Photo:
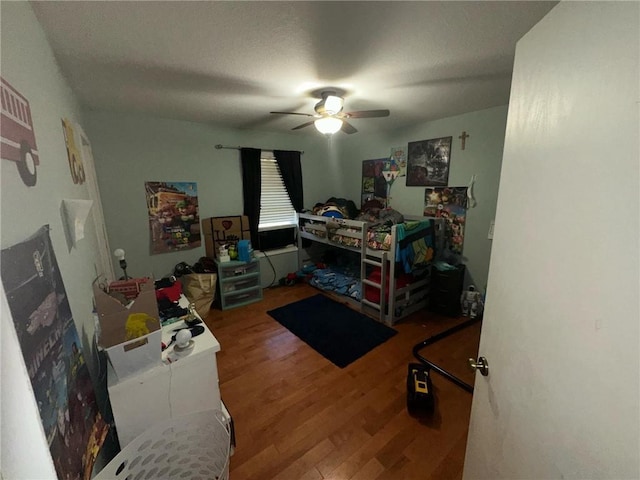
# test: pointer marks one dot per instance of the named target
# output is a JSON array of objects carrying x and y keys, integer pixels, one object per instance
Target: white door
[{"x": 561, "y": 328}]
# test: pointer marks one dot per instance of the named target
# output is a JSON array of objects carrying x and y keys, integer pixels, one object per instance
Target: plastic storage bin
[{"x": 239, "y": 283}]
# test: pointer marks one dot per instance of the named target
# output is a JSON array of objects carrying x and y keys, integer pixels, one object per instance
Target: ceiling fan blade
[
  {"x": 294, "y": 113},
  {"x": 348, "y": 128},
  {"x": 303, "y": 125},
  {"x": 368, "y": 114}
]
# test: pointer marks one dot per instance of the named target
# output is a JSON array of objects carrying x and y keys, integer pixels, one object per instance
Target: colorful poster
[
  {"x": 174, "y": 222},
  {"x": 374, "y": 183},
  {"x": 399, "y": 157},
  {"x": 449, "y": 203},
  {"x": 52, "y": 353}
]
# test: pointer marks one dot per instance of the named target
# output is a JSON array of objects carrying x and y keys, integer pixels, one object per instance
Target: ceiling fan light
[
  {"x": 328, "y": 125},
  {"x": 332, "y": 104}
]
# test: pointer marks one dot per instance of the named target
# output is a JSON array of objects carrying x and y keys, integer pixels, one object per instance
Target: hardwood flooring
[{"x": 299, "y": 417}]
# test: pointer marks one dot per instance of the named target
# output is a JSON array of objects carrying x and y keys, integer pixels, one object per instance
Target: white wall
[
  {"x": 482, "y": 157},
  {"x": 28, "y": 64},
  {"x": 561, "y": 330}
]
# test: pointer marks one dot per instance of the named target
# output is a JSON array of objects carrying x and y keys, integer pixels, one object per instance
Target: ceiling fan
[{"x": 330, "y": 117}]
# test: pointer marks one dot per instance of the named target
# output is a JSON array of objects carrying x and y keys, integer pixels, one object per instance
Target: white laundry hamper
[{"x": 187, "y": 447}]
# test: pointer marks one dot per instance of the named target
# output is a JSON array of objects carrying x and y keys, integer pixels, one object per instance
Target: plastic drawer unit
[
  {"x": 238, "y": 283},
  {"x": 446, "y": 289}
]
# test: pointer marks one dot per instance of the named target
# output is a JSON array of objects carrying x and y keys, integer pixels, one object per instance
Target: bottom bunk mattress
[{"x": 343, "y": 281}]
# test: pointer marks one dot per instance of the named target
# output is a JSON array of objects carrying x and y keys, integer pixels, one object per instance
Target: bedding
[
  {"x": 415, "y": 244},
  {"x": 379, "y": 239},
  {"x": 335, "y": 279},
  {"x": 404, "y": 255},
  {"x": 337, "y": 208}
]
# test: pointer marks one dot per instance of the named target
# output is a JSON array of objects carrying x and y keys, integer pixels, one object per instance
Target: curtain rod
[{"x": 218, "y": 147}]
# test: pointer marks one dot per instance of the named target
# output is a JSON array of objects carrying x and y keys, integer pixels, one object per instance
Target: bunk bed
[{"x": 394, "y": 260}]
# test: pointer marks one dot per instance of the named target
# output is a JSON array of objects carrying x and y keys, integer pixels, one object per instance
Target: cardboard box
[
  {"x": 129, "y": 288},
  {"x": 133, "y": 355},
  {"x": 220, "y": 231}
]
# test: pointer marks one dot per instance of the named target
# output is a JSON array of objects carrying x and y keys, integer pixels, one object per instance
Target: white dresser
[{"x": 181, "y": 385}]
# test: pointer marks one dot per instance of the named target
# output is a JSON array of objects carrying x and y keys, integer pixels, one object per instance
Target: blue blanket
[{"x": 415, "y": 243}]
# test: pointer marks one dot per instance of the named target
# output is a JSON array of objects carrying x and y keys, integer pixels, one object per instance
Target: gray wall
[
  {"x": 482, "y": 157},
  {"x": 132, "y": 149},
  {"x": 29, "y": 66}
]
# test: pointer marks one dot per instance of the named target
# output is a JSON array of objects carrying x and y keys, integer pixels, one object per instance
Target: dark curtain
[
  {"x": 251, "y": 186},
  {"x": 291, "y": 170}
]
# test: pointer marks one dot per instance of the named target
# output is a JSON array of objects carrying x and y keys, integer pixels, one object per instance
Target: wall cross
[{"x": 464, "y": 137}]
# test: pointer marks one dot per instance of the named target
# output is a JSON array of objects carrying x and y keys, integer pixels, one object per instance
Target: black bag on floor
[{"x": 420, "y": 399}]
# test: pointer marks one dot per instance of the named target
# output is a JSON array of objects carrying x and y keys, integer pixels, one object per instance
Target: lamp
[
  {"x": 328, "y": 125},
  {"x": 119, "y": 254}
]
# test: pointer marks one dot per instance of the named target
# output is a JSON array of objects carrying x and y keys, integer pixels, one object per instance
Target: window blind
[{"x": 276, "y": 210}]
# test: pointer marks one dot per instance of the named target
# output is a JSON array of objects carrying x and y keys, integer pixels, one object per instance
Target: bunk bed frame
[{"x": 400, "y": 301}]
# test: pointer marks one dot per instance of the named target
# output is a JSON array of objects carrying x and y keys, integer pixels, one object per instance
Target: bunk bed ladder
[{"x": 381, "y": 286}]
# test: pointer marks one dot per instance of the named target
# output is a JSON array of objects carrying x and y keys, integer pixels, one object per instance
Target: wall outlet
[{"x": 491, "y": 227}]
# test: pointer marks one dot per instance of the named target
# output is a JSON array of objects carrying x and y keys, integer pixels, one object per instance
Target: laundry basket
[{"x": 188, "y": 447}]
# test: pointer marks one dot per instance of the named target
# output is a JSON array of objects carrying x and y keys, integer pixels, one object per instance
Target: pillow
[{"x": 330, "y": 211}]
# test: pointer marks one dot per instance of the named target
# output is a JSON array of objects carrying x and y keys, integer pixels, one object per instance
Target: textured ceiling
[{"x": 231, "y": 63}]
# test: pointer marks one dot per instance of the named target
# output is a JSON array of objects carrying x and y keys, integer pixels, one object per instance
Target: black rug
[{"x": 334, "y": 330}]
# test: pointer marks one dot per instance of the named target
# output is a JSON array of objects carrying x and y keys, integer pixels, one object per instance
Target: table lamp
[{"x": 119, "y": 254}]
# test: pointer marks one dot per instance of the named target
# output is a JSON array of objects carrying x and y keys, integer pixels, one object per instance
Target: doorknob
[{"x": 482, "y": 365}]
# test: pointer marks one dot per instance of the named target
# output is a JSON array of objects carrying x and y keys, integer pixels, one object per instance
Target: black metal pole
[{"x": 440, "y": 336}]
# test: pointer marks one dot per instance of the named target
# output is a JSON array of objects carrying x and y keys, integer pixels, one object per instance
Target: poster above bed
[
  {"x": 374, "y": 186},
  {"x": 428, "y": 162},
  {"x": 379, "y": 175},
  {"x": 449, "y": 203}
]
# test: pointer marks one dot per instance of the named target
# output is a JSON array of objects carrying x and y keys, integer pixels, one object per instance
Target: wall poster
[
  {"x": 377, "y": 178},
  {"x": 428, "y": 163},
  {"x": 52, "y": 353},
  {"x": 174, "y": 222},
  {"x": 399, "y": 157},
  {"x": 449, "y": 203}
]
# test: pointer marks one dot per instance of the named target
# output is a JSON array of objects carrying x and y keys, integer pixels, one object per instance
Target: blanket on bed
[
  {"x": 333, "y": 280},
  {"x": 415, "y": 243}
]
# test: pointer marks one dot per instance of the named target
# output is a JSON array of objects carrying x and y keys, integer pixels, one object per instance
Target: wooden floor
[{"x": 297, "y": 416}]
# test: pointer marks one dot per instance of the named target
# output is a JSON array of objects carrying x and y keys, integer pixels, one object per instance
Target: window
[{"x": 276, "y": 210}]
